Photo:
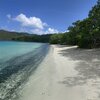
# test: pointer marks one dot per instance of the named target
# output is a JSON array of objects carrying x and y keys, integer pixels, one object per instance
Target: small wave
[{"x": 15, "y": 72}]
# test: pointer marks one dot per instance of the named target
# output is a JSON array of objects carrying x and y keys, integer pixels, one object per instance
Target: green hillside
[
  {"x": 6, "y": 35},
  {"x": 16, "y": 36}
]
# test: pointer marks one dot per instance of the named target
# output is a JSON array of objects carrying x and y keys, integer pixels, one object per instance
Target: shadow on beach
[
  {"x": 88, "y": 67},
  {"x": 60, "y": 46}
]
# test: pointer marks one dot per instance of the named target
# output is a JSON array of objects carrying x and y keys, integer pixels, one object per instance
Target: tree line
[
  {"x": 84, "y": 33},
  {"x": 22, "y": 36},
  {"x": 34, "y": 38}
]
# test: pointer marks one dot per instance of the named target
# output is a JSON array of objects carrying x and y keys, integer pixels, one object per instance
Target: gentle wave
[{"x": 16, "y": 71}]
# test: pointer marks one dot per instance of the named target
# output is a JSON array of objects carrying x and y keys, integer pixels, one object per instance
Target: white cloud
[
  {"x": 31, "y": 21},
  {"x": 48, "y": 31},
  {"x": 51, "y": 30},
  {"x": 9, "y": 16},
  {"x": 37, "y": 31},
  {"x": 32, "y": 24}
]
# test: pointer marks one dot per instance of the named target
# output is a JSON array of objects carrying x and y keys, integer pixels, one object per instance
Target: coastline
[
  {"x": 66, "y": 73},
  {"x": 17, "y": 67}
]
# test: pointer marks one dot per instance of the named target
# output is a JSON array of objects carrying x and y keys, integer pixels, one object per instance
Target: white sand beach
[{"x": 67, "y": 73}]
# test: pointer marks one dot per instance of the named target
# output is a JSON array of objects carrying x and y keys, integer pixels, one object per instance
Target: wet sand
[{"x": 66, "y": 73}]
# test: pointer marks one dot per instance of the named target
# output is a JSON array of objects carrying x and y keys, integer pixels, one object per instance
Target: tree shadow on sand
[
  {"x": 87, "y": 68},
  {"x": 60, "y": 46}
]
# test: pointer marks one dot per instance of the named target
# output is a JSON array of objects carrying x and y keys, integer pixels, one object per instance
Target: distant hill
[
  {"x": 21, "y": 36},
  {"x": 6, "y": 35}
]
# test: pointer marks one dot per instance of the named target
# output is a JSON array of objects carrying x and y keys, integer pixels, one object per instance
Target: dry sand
[{"x": 67, "y": 73}]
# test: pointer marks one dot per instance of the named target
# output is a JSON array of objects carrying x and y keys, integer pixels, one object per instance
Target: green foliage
[
  {"x": 85, "y": 33},
  {"x": 34, "y": 38},
  {"x": 56, "y": 39},
  {"x": 15, "y": 36},
  {"x": 6, "y": 35}
]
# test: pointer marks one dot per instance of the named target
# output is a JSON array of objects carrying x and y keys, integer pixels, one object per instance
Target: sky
[{"x": 42, "y": 16}]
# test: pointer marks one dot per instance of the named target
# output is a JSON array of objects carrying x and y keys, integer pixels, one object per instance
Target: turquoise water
[
  {"x": 18, "y": 60},
  {"x": 13, "y": 49}
]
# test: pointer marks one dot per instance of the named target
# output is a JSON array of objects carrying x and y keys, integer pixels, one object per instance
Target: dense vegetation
[
  {"x": 85, "y": 33},
  {"x": 34, "y": 38},
  {"x": 15, "y": 36},
  {"x": 6, "y": 35}
]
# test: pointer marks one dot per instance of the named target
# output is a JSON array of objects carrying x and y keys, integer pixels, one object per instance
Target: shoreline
[{"x": 66, "y": 73}]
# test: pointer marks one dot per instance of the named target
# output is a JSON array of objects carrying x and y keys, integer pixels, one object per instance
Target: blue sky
[{"x": 42, "y": 16}]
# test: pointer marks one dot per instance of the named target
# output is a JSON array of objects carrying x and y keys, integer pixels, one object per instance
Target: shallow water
[{"x": 18, "y": 60}]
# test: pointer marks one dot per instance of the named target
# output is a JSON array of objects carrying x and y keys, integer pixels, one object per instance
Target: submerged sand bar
[{"x": 67, "y": 73}]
